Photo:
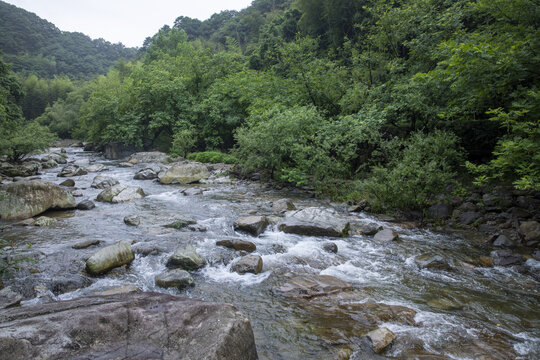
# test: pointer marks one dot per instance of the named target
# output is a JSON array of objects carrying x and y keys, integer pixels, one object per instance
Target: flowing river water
[{"x": 498, "y": 316}]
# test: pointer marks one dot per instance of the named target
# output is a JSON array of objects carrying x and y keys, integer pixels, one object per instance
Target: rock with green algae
[{"x": 109, "y": 258}]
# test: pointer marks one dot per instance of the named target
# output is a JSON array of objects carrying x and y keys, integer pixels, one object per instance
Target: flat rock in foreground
[
  {"x": 25, "y": 199},
  {"x": 127, "y": 326}
]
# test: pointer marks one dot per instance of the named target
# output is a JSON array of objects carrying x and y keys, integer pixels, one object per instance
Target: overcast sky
[{"x": 125, "y": 21}]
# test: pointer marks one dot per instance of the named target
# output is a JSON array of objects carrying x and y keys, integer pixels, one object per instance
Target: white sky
[{"x": 125, "y": 21}]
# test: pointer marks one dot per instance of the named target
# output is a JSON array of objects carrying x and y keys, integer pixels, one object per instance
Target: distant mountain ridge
[{"x": 34, "y": 45}]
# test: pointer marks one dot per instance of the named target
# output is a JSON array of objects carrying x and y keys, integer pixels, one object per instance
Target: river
[{"x": 498, "y": 316}]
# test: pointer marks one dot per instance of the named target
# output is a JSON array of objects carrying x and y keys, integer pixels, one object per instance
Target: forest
[{"x": 396, "y": 102}]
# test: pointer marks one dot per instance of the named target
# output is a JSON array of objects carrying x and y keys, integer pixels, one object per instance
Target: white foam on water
[
  {"x": 354, "y": 274},
  {"x": 173, "y": 196},
  {"x": 529, "y": 346},
  {"x": 223, "y": 273}
]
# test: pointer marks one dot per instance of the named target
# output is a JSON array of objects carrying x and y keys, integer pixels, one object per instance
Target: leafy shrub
[
  {"x": 183, "y": 141},
  {"x": 423, "y": 169},
  {"x": 212, "y": 157}
]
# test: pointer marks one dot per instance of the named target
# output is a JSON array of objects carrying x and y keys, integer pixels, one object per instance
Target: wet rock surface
[
  {"x": 184, "y": 173},
  {"x": 157, "y": 326},
  {"x": 120, "y": 193},
  {"x": 247, "y": 264},
  {"x": 110, "y": 257},
  {"x": 28, "y": 198},
  {"x": 186, "y": 258},
  {"x": 314, "y": 222},
  {"x": 254, "y": 225},
  {"x": 238, "y": 245}
]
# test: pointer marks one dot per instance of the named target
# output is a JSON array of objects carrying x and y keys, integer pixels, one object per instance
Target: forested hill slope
[{"x": 32, "y": 44}]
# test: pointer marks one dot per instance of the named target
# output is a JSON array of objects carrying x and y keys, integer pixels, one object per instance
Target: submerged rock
[
  {"x": 181, "y": 223},
  {"x": 184, "y": 173},
  {"x": 254, "y": 225},
  {"x": 237, "y": 244},
  {"x": 85, "y": 244},
  {"x": 314, "y": 221},
  {"x": 381, "y": 338},
  {"x": 177, "y": 278},
  {"x": 311, "y": 286},
  {"x": 158, "y": 326},
  {"x": 25, "y": 199},
  {"x": 428, "y": 261},
  {"x": 247, "y": 264},
  {"x": 103, "y": 182},
  {"x": 444, "y": 304},
  {"x": 121, "y": 193},
  {"x": 186, "y": 258},
  {"x": 110, "y": 257},
  {"x": 386, "y": 235}
]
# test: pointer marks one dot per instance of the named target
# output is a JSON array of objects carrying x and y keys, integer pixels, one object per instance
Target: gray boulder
[
  {"x": 186, "y": 258},
  {"x": 237, "y": 244},
  {"x": 247, "y": 264},
  {"x": 25, "y": 169},
  {"x": 283, "y": 205},
  {"x": 50, "y": 164},
  {"x": 177, "y": 278},
  {"x": 440, "y": 211},
  {"x": 86, "y": 205},
  {"x": 25, "y": 199},
  {"x": 386, "y": 235},
  {"x": 506, "y": 258},
  {"x": 96, "y": 168},
  {"x": 184, "y": 173},
  {"x": 381, "y": 338},
  {"x": 68, "y": 183},
  {"x": 530, "y": 230},
  {"x": 9, "y": 298},
  {"x": 132, "y": 220},
  {"x": 58, "y": 158},
  {"x": 127, "y": 326},
  {"x": 469, "y": 217},
  {"x": 314, "y": 221},
  {"x": 253, "y": 225},
  {"x": 120, "y": 193},
  {"x": 109, "y": 258},
  {"x": 72, "y": 170},
  {"x": 502, "y": 241},
  {"x": 146, "y": 174},
  {"x": 103, "y": 182}
]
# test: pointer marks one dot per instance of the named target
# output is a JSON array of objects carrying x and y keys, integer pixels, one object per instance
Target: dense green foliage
[
  {"x": 212, "y": 157},
  {"x": 390, "y": 100},
  {"x": 17, "y": 136},
  {"x": 33, "y": 45}
]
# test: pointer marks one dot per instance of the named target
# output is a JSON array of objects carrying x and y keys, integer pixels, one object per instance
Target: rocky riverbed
[{"x": 315, "y": 280}]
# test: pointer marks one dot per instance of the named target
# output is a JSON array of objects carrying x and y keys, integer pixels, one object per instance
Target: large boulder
[
  {"x": 116, "y": 150},
  {"x": 110, "y": 257},
  {"x": 186, "y": 258},
  {"x": 103, "y": 182},
  {"x": 127, "y": 326},
  {"x": 247, "y": 264},
  {"x": 25, "y": 169},
  {"x": 72, "y": 170},
  {"x": 174, "y": 278},
  {"x": 25, "y": 199},
  {"x": 253, "y": 225},
  {"x": 57, "y": 158},
  {"x": 184, "y": 173},
  {"x": 314, "y": 221},
  {"x": 120, "y": 193}
]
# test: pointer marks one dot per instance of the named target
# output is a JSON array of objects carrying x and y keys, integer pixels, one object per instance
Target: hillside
[{"x": 34, "y": 45}]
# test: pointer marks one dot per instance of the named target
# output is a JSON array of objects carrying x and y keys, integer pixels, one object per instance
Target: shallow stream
[{"x": 498, "y": 318}]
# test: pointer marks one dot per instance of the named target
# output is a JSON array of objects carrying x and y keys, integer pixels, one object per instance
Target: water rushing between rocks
[{"x": 459, "y": 310}]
